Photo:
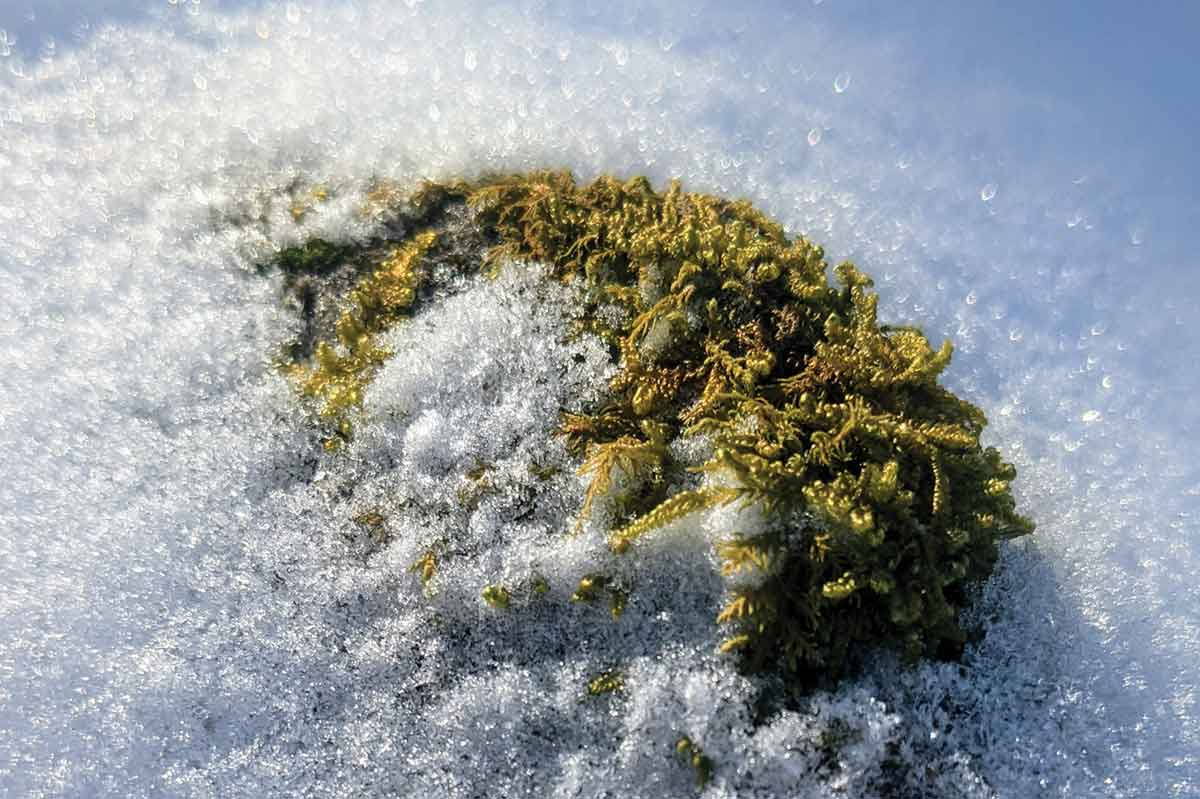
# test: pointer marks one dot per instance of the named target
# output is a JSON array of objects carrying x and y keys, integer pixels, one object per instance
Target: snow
[{"x": 188, "y": 607}]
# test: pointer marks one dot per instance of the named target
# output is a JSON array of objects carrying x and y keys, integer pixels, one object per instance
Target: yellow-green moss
[
  {"x": 375, "y": 524},
  {"x": 883, "y": 505},
  {"x": 343, "y": 368},
  {"x": 426, "y": 566},
  {"x": 691, "y": 753},
  {"x": 497, "y": 596},
  {"x": 606, "y": 683},
  {"x": 593, "y": 587}
]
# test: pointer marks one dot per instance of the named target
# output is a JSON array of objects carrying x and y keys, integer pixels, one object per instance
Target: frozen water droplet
[
  {"x": 470, "y": 61},
  {"x": 1099, "y": 328},
  {"x": 987, "y": 192},
  {"x": 972, "y": 298},
  {"x": 621, "y": 55},
  {"x": 1091, "y": 417},
  {"x": 1015, "y": 335},
  {"x": 1075, "y": 219},
  {"x": 564, "y": 51},
  {"x": 814, "y": 137},
  {"x": 666, "y": 42},
  {"x": 1107, "y": 382},
  {"x": 200, "y": 81},
  {"x": 435, "y": 113},
  {"x": 1136, "y": 236},
  {"x": 904, "y": 162},
  {"x": 263, "y": 29},
  {"x": 293, "y": 13},
  {"x": 47, "y": 180},
  {"x": 841, "y": 82}
]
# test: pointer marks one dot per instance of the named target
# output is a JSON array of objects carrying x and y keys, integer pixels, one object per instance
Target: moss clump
[{"x": 883, "y": 507}]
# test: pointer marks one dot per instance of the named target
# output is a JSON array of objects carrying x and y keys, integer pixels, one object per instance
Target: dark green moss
[{"x": 314, "y": 257}]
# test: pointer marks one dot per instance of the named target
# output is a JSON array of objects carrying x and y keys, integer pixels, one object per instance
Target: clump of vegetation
[{"x": 883, "y": 507}]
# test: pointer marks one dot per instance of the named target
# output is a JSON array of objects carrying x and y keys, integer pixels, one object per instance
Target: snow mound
[{"x": 189, "y": 607}]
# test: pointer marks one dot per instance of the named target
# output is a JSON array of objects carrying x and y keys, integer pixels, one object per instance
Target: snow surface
[{"x": 187, "y": 607}]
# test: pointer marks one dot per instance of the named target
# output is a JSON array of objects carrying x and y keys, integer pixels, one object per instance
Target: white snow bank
[{"x": 187, "y": 607}]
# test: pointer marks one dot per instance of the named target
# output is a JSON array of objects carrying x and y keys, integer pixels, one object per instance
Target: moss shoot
[{"x": 883, "y": 507}]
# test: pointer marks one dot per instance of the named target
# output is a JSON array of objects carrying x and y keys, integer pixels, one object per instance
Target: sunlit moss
[
  {"x": 691, "y": 753},
  {"x": 426, "y": 566},
  {"x": 497, "y": 596},
  {"x": 375, "y": 524},
  {"x": 343, "y": 368},
  {"x": 304, "y": 203},
  {"x": 596, "y": 587},
  {"x": 882, "y": 505},
  {"x": 606, "y": 683}
]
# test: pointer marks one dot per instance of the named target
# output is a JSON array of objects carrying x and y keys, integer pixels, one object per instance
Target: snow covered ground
[{"x": 185, "y": 608}]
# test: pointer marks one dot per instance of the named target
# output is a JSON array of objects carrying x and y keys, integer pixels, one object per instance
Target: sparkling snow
[{"x": 187, "y": 607}]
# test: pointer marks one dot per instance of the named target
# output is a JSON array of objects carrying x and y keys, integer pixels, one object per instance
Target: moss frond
[
  {"x": 426, "y": 566},
  {"x": 691, "y": 754},
  {"x": 496, "y": 596},
  {"x": 606, "y": 683},
  {"x": 343, "y": 368},
  {"x": 671, "y": 510},
  {"x": 630, "y": 455}
]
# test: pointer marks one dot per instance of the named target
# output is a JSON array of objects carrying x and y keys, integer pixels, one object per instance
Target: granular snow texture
[{"x": 187, "y": 606}]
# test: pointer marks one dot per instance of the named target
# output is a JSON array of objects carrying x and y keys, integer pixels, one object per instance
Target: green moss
[
  {"x": 344, "y": 367},
  {"x": 497, "y": 596},
  {"x": 375, "y": 525},
  {"x": 426, "y": 566},
  {"x": 313, "y": 257},
  {"x": 883, "y": 507},
  {"x": 538, "y": 585},
  {"x": 476, "y": 485},
  {"x": 691, "y": 753},
  {"x": 593, "y": 587},
  {"x": 606, "y": 683}
]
